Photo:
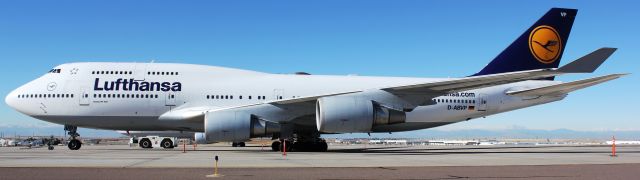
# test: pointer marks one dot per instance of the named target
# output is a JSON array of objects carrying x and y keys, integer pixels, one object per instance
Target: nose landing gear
[{"x": 74, "y": 144}]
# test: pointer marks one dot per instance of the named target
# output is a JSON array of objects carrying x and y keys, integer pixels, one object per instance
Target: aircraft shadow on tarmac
[
  {"x": 403, "y": 150},
  {"x": 474, "y": 150}
]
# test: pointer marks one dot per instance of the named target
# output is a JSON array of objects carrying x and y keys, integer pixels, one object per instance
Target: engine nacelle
[
  {"x": 236, "y": 126},
  {"x": 349, "y": 114}
]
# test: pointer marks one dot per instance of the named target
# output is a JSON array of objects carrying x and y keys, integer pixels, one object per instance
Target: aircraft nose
[{"x": 10, "y": 100}]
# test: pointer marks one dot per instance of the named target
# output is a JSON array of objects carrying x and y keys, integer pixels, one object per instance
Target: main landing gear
[
  {"x": 74, "y": 144},
  {"x": 237, "y": 144},
  {"x": 311, "y": 145}
]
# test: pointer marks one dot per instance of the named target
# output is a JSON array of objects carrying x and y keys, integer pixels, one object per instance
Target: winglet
[{"x": 589, "y": 62}]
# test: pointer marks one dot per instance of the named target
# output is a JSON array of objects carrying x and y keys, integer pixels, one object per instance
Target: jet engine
[
  {"x": 349, "y": 114},
  {"x": 236, "y": 126}
]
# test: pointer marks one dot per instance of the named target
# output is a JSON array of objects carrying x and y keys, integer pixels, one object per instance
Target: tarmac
[{"x": 340, "y": 162}]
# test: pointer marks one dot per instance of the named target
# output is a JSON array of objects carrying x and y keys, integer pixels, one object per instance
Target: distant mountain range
[{"x": 516, "y": 133}]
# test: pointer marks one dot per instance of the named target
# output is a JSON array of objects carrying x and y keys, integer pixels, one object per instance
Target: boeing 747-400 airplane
[{"x": 233, "y": 105}]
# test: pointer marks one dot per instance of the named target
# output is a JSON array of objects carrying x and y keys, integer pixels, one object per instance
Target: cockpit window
[{"x": 55, "y": 71}]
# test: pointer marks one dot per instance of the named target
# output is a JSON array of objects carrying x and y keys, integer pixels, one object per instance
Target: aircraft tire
[
  {"x": 74, "y": 144},
  {"x": 323, "y": 147},
  {"x": 275, "y": 146}
]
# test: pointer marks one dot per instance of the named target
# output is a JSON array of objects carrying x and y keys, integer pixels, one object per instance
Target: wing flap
[{"x": 564, "y": 88}]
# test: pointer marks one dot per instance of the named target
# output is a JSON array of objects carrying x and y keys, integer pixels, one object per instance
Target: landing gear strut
[{"x": 74, "y": 144}]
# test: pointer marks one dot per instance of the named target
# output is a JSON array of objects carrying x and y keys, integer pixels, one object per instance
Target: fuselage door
[
  {"x": 278, "y": 94},
  {"x": 85, "y": 99},
  {"x": 141, "y": 72},
  {"x": 481, "y": 102},
  {"x": 170, "y": 99}
]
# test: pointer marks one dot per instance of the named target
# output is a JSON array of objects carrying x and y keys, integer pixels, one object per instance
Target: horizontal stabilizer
[
  {"x": 564, "y": 88},
  {"x": 589, "y": 62}
]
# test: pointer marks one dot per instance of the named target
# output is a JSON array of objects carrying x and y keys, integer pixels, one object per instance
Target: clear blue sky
[{"x": 383, "y": 38}]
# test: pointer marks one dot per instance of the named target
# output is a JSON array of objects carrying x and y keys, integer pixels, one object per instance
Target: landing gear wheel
[
  {"x": 50, "y": 147},
  {"x": 167, "y": 144},
  {"x": 234, "y": 144},
  {"x": 323, "y": 147},
  {"x": 241, "y": 144},
  {"x": 275, "y": 146},
  {"x": 74, "y": 144},
  {"x": 145, "y": 143}
]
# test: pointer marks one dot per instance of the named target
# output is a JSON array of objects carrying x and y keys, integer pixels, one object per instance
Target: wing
[
  {"x": 418, "y": 94},
  {"x": 564, "y": 88},
  {"x": 426, "y": 91}
]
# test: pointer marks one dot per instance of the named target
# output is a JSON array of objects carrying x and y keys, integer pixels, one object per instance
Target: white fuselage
[{"x": 104, "y": 95}]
